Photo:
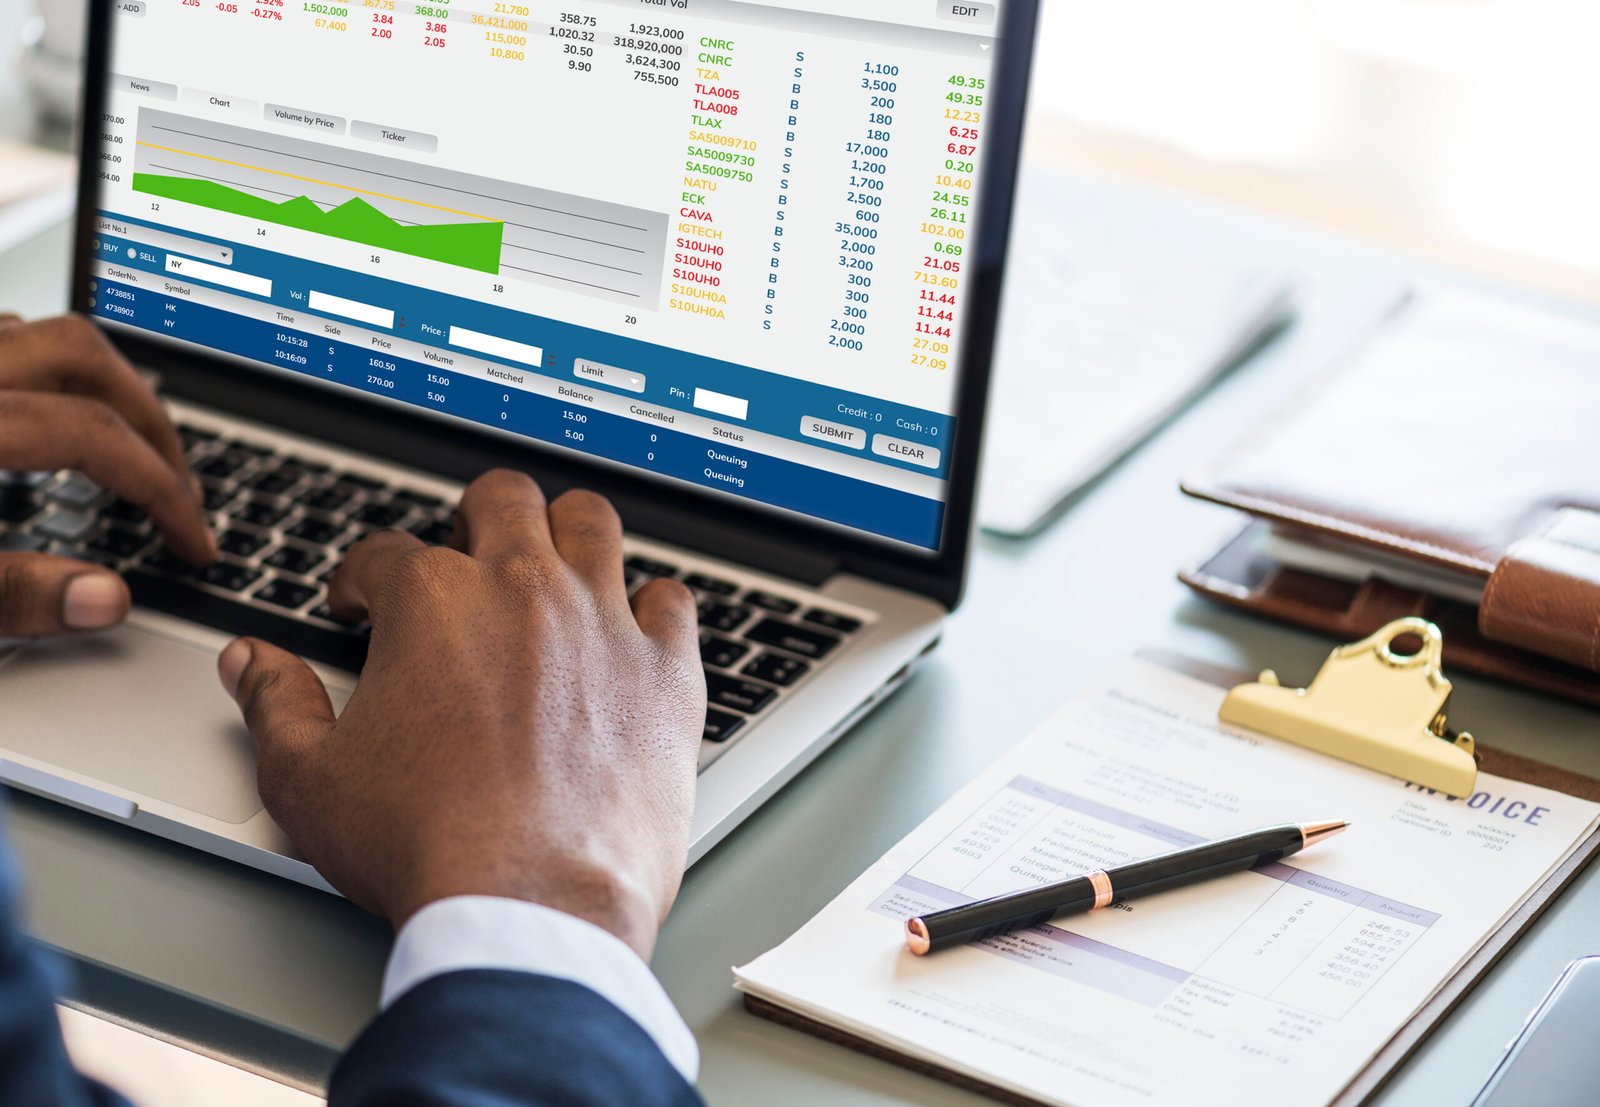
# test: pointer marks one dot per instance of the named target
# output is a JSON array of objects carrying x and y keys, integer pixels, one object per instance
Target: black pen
[{"x": 1103, "y": 887}]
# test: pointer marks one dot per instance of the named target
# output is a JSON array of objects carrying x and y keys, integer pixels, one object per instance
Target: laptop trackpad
[{"x": 136, "y": 710}]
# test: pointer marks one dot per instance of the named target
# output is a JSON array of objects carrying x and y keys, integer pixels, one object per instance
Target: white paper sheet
[
  {"x": 1105, "y": 331},
  {"x": 1277, "y": 985}
]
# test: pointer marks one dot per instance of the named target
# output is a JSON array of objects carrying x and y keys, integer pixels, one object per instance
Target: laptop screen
[{"x": 719, "y": 242}]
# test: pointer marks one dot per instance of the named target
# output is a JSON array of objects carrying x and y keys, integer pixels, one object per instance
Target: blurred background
[{"x": 1457, "y": 128}]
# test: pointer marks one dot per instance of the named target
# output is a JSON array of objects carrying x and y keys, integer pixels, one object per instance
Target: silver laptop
[{"x": 733, "y": 263}]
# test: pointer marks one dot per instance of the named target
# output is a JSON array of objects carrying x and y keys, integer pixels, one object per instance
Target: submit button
[
  {"x": 837, "y": 433},
  {"x": 901, "y": 450}
]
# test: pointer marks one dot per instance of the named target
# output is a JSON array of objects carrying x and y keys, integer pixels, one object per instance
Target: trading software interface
[{"x": 718, "y": 241}]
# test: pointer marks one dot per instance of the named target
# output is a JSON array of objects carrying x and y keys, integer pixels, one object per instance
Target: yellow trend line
[{"x": 314, "y": 180}]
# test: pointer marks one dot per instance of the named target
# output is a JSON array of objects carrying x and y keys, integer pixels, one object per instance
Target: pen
[{"x": 1103, "y": 887}]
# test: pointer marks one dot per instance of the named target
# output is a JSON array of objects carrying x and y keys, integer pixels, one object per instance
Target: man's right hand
[
  {"x": 68, "y": 400},
  {"x": 520, "y": 729}
]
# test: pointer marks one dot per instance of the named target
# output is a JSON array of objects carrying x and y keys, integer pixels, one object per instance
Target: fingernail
[
  {"x": 93, "y": 601},
  {"x": 231, "y": 664}
]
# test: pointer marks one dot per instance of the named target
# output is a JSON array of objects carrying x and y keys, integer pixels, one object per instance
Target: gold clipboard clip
[{"x": 1370, "y": 706}]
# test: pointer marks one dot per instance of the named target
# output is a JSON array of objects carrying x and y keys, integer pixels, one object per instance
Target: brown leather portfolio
[{"x": 1459, "y": 445}]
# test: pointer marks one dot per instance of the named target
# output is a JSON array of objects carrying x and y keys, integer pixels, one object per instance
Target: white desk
[{"x": 1040, "y": 619}]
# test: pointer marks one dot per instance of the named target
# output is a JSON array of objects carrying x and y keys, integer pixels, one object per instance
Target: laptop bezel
[{"x": 673, "y": 513}]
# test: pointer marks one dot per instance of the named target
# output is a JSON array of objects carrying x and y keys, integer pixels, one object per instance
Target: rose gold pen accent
[
  {"x": 917, "y": 937},
  {"x": 1103, "y": 892},
  {"x": 1312, "y": 833}
]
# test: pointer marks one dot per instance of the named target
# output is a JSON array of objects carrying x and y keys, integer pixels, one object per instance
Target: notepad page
[{"x": 1283, "y": 981}]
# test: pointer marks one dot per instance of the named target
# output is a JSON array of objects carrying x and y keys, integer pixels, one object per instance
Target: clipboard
[{"x": 1410, "y": 1037}]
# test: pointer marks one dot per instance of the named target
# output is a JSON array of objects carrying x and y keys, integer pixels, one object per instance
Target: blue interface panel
[{"x": 717, "y": 243}]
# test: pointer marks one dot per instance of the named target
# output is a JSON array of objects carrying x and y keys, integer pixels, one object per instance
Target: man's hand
[
  {"x": 69, "y": 401},
  {"x": 519, "y": 730}
]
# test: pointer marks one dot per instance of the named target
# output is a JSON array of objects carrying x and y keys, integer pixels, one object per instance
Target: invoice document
[{"x": 1280, "y": 982}]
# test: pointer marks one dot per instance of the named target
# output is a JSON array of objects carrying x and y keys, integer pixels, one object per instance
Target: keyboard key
[
  {"x": 434, "y": 532},
  {"x": 651, "y": 567},
  {"x": 316, "y": 468},
  {"x": 776, "y": 668},
  {"x": 253, "y": 449},
  {"x": 192, "y": 434},
  {"x": 17, "y": 541},
  {"x": 241, "y": 543},
  {"x": 356, "y": 480},
  {"x": 739, "y": 695},
  {"x": 168, "y": 562},
  {"x": 716, "y": 615},
  {"x": 328, "y": 499},
  {"x": 720, "y": 725},
  {"x": 713, "y": 585},
  {"x": 259, "y": 513},
  {"x": 275, "y": 482},
  {"x": 65, "y": 526},
  {"x": 16, "y": 509},
  {"x": 381, "y": 515},
  {"x": 230, "y": 575},
  {"x": 220, "y": 467},
  {"x": 286, "y": 593},
  {"x": 832, "y": 620},
  {"x": 419, "y": 499},
  {"x": 724, "y": 653},
  {"x": 120, "y": 544},
  {"x": 124, "y": 512},
  {"x": 771, "y": 602},
  {"x": 25, "y": 479},
  {"x": 76, "y": 491},
  {"x": 217, "y": 497},
  {"x": 296, "y": 559},
  {"x": 323, "y": 611},
  {"x": 315, "y": 531},
  {"x": 786, "y": 636}
]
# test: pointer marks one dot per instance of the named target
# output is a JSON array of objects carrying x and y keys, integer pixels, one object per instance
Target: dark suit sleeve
[
  {"x": 493, "y": 1038},
  {"x": 33, "y": 1061}
]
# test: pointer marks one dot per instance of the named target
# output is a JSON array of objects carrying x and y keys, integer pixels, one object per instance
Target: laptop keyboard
[{"x": 282, "y": 522}]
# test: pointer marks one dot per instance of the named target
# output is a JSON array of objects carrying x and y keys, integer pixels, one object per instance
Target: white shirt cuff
[{"x": 488, "y": 932}]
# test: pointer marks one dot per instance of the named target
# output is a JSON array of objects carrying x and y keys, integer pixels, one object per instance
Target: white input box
[
  {"x": 216, "y": 274},
  {"x": 721, "y": 403},
  {"x": 351, "y": 309},
  {"x": 495, "y": 346}
]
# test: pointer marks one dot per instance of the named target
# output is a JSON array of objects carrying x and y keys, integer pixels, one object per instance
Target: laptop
[{"x": 734, "y": 264}]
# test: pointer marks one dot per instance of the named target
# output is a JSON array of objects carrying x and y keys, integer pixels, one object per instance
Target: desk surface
[{"x": 1041, "y": 619}]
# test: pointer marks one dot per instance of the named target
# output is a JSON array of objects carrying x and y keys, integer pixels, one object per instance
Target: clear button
[{"x": 914, "y": 453}]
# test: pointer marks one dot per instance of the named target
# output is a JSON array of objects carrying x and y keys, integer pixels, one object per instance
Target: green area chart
[{"x": 474, "y": 245}]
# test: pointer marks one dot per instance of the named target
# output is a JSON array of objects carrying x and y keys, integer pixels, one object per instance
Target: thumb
[
  {"x": 284, "y": 704},
  {"x": 42, "y": 594}
]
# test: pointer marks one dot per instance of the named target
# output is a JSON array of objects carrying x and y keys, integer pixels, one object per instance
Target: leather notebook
[{"x": 1456, "y": 455}]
